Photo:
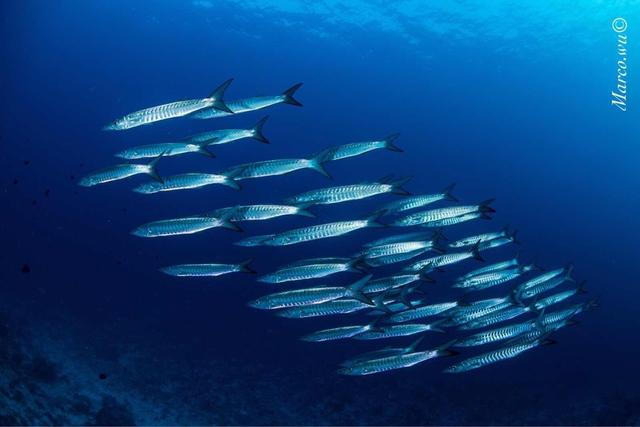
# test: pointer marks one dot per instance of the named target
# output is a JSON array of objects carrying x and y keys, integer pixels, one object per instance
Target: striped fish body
[
  {"x": 177, "y": 226},
  {"x": 186, "y": 181},
  {"x": 454, "y": 220},
  {"x": 433, "y": 215},
  {"x": 254, "y": 240},
  {"x": 392, "y": 282},
  {"x": 499, "y": 316},
  {"x": 540, "y": 279},
  {"x": 315, "y": 232},
  {"x": 477, "y": 311},
  {"x": 269, "y": 168},
  {"x": 473, "y": 240},
  {"x": 343, "y": 306},
  {"x": 563, "y": 315},
  {"x": 397, "y": 248},
  {"x": 492, "y": 357},
  {"x": 393, "y": 331},
  {"x": 543, "y": 303},
  {"x": 336, "y": 333},
  {"x": 166, "y": 149},
  {"x": 258, "y": 212},
  {"x": 221, "y": 136},
  {"x": 400, "y": 238},
  {"x": 393, "y": 259},
  {"x": 355, "y": 149},
  {"x": 299, "y": 297},
  {"x": 495, "y": 335},
  {"x": 495, "y": 243},
  {"x": 305, "y": 272},
  {"x": 201, "y": 270},
  {"x": 241, "y": 106},
  {"x": 389, "y": 363},
  {"x": 160, "y": 112},
  {"x": 413, "y": 202},
  {"x": 488, "y": 280},
  {"x": 542, "y": 287},
  {"x": 421, "y": 312},
  {"x": 504, "y": 265},
  {"x": 114, "y": 173},
  {"x": 345, "y": 193},
  {"x": 440, "y": 261}
]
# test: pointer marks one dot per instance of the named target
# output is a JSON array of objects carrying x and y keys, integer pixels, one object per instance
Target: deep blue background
[{"x": 532, "y": 127}]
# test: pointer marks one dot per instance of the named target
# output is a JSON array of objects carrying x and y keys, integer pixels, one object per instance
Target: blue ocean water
[{"x": 510, "y": 100}]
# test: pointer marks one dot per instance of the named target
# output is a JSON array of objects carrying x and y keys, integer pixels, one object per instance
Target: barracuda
[
  {"x": 424, "y": 217},
  {"x": 260, "y": 212},
  {"x": 473, "y": 240},
  {"x": 545, "y": 277},
  {"x": 207, "y": 270},
  {"x": 226, "y": 136},
  {"x": 495, "y": 356},
  {"x": 251, "y": 104},
  {"x": 504, "y": 265},
  {"x": 495, "y": 335},
  {"x": 312, "y": 269},
  {"x": 401, "y": 330},
  {"x": 118, "y": 172},
  {"x": 439, "y": 261},
  {"x": 186, "y": 181},
  {"x": 419, "y": 201},
  {"x": 310, "y": 296},
  {"x": 322, "y": 231},
  {"x": 507, "y": 313},
  {"x": 422, "y": 312},
  {"x": 341, "y": 306},
  {"x": 167, "y": 149},
  {"x": 393, "y": 282},
  {"x": 490, "y": 279},
  {"x": 540, "y": 288},
  {"x": 358, "y": 148},
  {"x": 279, "y": 167},
  {"x": 172, "y": 110},
  {"x": 346, "y": 193},
  {"x": 340, "y": 333},
  {"x": 559, "y": 297},
  {"x": 178, "y": 226}
]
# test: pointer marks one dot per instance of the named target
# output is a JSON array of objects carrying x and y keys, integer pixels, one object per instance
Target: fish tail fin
[
  {"x": 581, "y": 289},
  {"x": 355, "y": 290},
  {"x": 245, "y": 268},
  {"x": 445, "y": 349},
  {"x": 257, "y": 131},
  {"x": 202, "y": 149},
  {"x": 412, "y": 347},
  {"x": 378, "y": 302},
  {"x": 422, "y": 276},
  {"x": 288, "y": 95},
  {"x": 317, "y": 162},
  {"x": 217, "y": 96},
  {"x": 447, "y": 193},
  {"x": 397, "y": 186},
  {"x": 485, "y": 207},
  {"x": 225, "y": 222},
  {"x": 475, "y": 252},
  {"x": 515, "y": 297},
  {"x": 389, "y": 143},
  {"x": 373, "y": 220},
  {"x": 151, "y": 168},
  {"x": 230, "y": 182},
  {"x": 568, "y": 270},
  {"x": 358, "y": 263},
  {"x": 302, "y": 210},
  {"x": 513, "y": 236}
]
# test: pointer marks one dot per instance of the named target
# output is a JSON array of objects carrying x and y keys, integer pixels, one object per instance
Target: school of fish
[{"x": 503, "y": 308}]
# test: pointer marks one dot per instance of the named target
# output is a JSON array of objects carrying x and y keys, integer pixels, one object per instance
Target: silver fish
[
  {"x": 339, "y": 333},
  {"x": 322, "y": 231},
  {"x": 226, "y": 136},
  {"x": 339, "y": 306},
  {"x": 207, "y": 270},
  {"x": 358, "y": 148},
  {"x": 495, "y": 356},
  {"x": 530, "y": 292},
  {"x": 186, "y": 181},
  {"x": 566, "y": 271},
  {"x": 561, "y": 315},
  {"x": 310, "y": 296},
  {"x": 172, "y": 110},
  {"x": 435, "y": 215},
  {"x": 251, "y": 104},
  {"x": 395, "y": 258},
  {"x": 395, "y": 361},
  {"x": 543, "y": 303},
  {"x": 507, "y": 313},
  {"x": 494, "y": 278},
  {"x": 503, "y": 265},
  {"x": 400, "y": 330},
  {"x": 178, "y": 226},
  {"x": 478, "y": 309},
  {"x": 495, "y": 335},
  {"x": 117, "y": 172},
  {"x": 167, "y": 149},
  {"x": 422, "y": 312},
  {"x": 254, "y": 240},
  {"x": 312, "y": 269},
  {"x": 393, "y": 282},
  {"x": 419, "y": 201},
  {"x": 439, "y": 261},
  {"x": 345, "y": 193},
  {"x": 406, "y": 237},
  {"x": 260, "y": 212},
  {"x": 280, "y": 167},
  {"x": 384, "y": 352},
  {"x": 479, "y": 238}
]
